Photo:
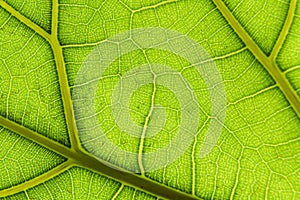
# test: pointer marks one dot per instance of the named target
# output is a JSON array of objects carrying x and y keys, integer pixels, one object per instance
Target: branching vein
[
  {"x": 37, "y": 180},
  {"x": 267, "y": 62},
  {"x": 284, "y": 30}
]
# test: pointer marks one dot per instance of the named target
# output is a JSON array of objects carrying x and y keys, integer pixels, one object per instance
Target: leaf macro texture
[{"x": 159, "y": 121}]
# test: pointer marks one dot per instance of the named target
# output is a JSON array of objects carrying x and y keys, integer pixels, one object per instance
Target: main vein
[
  {"x": 267, "y": 62},
  {"x": 82, "y": 159}
]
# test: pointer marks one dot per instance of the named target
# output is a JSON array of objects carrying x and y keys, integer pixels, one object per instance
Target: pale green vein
[
  {"x": 216, "y": 174},
  {"x": 284, "y": 30},
  {"x": 229, "y": 54},
  {"x": 233, "y": 191},
  {"x": 155, "y": 6},
  {"x": 118, "y": 192},
  {"x": 253, "y": 95},
  {"x": 148, "y": 7},
  {"x": 222, "y": 56},
  {"x": 26, "y": 194},
  {"x": 193, "y": 157},
  {"x": 194, "y": 165},
  {"x": 37, "y": 180},
  {"x": 83, "y": 45},
  {"x": 291, "y": 69},
  {"x": 145, "y": 128},
  {"x": 267, "y": 62}
]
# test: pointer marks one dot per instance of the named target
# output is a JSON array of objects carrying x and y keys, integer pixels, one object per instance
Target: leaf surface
[{"x": 255, "y": 48}]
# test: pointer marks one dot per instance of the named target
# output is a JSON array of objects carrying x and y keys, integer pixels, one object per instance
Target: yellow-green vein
[
  {"x": 76, "y": 154},
  {"x": 118, "y": 192},
  {"x": 60, "y": 65},
  {"x": 37, "y": 180},
  {"x": 54, "y": 19},
  {"x": 147, "y": 7},
  {"x": 63, "y": 79},
  {"x": 36, "y": 137},
  {"x": 133, "y": 180},
  {"x": 25, "y": 20},
  {"x": 284, "y": 31},
  {"x": 88, "y": 161},
  {"x": 267, "y": 62}
]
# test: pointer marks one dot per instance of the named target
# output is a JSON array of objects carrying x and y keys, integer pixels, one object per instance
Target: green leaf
[{"x": 71, "y": 128}]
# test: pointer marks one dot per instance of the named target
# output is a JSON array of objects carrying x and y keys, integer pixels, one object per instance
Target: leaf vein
[{"x": 267, "y": 62}]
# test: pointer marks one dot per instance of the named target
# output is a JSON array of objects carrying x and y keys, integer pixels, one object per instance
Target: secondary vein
[
  {"x": 54, "y": 19},
  {"x": 284, "y": 31},
  {"x": 267, "y": 62},
  {"x": 37, "y": 180},
  {"x": 36, "y": 137},
  {"x": 66, "y": 95},
  {"x": 25, "y": 20},
  {"x": 63, "y": 80},
  {"x": 86, "y": 160},
  {"x": 77, "y": 155},
  {"x": 60, "y": 65}
]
